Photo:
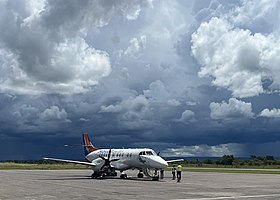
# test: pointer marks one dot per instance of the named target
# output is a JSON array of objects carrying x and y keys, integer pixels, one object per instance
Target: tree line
[{"x": 230, "y": 160}]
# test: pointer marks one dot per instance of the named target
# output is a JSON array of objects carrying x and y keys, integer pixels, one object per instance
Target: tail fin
[{"x": 88, "y": 146}]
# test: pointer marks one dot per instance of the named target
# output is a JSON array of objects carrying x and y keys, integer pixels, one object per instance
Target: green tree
[
  {"x": 208, "y": 161},
  {"x": 226, "y": 160}
]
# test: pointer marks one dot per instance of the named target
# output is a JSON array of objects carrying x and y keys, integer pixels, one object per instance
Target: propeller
[{"x": 107, "y": 161}]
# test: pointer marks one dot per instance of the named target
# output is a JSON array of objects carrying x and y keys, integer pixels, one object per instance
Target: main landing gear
[
  {"x": 106, "y": 169},
  {"x": 140, "y": 174},
  {"x": 104, "y": 174},
  {"x": 95, "y": 175},
  {"x": 123, "y": 175}
]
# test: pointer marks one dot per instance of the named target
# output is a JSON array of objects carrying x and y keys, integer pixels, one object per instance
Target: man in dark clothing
[{"x": 173, "y": 170}]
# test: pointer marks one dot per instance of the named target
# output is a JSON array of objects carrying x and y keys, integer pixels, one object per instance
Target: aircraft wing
[
  {"x": 72, "y": 161},
  {"x": 177, "y": 160}
]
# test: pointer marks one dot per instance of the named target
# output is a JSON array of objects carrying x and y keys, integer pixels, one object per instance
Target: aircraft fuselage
[{"x": 128, "y": 158}]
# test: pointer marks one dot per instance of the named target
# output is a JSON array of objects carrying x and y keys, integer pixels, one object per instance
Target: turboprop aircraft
[{"x": 105, "y": 162}]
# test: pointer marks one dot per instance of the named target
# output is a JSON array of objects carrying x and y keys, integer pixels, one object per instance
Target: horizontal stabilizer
[
  {"x": 72, "y": 161},
  {"x": 177, "y": 160}
]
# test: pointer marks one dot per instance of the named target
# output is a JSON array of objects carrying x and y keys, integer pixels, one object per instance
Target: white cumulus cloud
[
  {"x": 173, "y": 102},
  {"x": 135, "y": 104},
  {"x": 236, "y": 54},
  {"x": 234, "y": 109},
  {"x": 273, "y": 113},
  {"x": 187, "y": 116},
  {"x": 54, "y": 113},
  {"x": 44, "y": 46},
  {"x": 136, "y": 46},
  {"x": 205, "y": 150}
]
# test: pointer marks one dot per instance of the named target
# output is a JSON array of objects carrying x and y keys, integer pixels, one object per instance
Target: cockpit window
[
  {"x": 149, "y": 153},
  {"x": 142, "y": 153}
]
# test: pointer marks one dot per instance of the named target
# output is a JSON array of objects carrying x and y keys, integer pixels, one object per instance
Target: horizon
[{"x": 188, "y": 158}]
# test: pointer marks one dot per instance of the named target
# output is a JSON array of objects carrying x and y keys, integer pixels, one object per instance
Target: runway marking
[{"x": 234, "y": 197}]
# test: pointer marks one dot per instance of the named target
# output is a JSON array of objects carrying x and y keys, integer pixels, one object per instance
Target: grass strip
[
  {"x": 227, "y": 170},
  {"x": 28, "y": 166}
]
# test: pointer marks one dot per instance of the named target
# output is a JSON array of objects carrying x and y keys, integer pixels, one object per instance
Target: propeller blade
[
  {"x": 113, "y": 160},
  {"x": 102, "y": 167},
  {"x": 109, "y": 155},
  {"x": 102, "y": 157},
  {"x": 107, "y": 161}
]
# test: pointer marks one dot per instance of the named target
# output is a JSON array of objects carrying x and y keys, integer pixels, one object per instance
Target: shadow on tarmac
[{"x": 79, "y": 177}]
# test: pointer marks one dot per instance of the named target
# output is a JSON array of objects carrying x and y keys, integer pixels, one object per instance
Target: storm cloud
[{"x": 187, "y": 78}]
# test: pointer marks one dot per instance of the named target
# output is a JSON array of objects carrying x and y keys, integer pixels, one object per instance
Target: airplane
[{"x": 105, "y": 162}]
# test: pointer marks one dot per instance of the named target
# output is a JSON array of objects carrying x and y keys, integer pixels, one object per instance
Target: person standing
[
  {"x": 173, "y": 170},
  {"x": 179, "y": 172}
]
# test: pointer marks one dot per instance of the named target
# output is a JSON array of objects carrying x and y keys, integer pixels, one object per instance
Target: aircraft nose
[
  {"x": 164, "y": 163},
  {"x": 161, "y": 163}
]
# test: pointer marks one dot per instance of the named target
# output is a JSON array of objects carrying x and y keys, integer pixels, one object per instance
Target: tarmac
[{"x": 77, "y": 184}]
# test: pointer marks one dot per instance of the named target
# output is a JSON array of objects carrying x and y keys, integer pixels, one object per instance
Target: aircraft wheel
[
  {"x": 140, "y": 175},
  {"x": 95, "y": 175},
  {"x": 123, "y": 176},
  {"x": 155, "y": 178}
]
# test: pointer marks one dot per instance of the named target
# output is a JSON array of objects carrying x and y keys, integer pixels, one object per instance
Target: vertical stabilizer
[{"x": 88, "y": 146}]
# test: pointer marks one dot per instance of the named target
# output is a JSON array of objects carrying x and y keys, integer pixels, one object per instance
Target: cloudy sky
[{"x": 186, "y": 78}]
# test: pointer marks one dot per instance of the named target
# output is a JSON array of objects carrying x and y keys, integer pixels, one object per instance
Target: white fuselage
[{"x": 128, "y": 159}]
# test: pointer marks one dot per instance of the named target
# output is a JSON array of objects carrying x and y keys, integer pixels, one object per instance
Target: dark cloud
[{"x": 185, "y": 78}]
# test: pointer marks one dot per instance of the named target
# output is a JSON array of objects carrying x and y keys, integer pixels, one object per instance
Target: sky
[{"x": 186, "y": 78}]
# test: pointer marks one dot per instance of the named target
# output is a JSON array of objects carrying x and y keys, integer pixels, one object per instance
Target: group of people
[{"x": 179, "y": 172}]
